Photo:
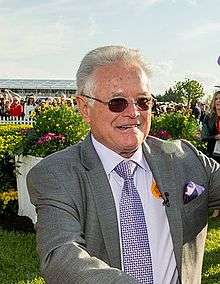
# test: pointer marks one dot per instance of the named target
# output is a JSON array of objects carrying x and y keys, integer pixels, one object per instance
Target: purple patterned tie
[{"x": 135, "y": 243}]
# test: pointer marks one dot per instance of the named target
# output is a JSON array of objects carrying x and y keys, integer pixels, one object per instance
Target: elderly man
[{"x": 122, "y": 206}]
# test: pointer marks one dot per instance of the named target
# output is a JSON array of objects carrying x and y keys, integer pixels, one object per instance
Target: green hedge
[
  {"x": 10, "y": 135},
  {"x": 177, "y": 125}
]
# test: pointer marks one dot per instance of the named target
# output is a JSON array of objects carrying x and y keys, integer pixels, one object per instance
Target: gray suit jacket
[{"x": 77, "y": 231}]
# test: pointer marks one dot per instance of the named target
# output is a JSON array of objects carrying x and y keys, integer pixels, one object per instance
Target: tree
[
  {"x": 187, "y": 92},
  {"x": 169, "y": 96},
  {"x": 190, "y": 91}
]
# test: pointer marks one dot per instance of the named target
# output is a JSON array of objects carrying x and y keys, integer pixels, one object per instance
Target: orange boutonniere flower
[{"x": 154, "y": 190}]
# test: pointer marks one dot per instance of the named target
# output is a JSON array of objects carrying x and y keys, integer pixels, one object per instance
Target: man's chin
[{"x": 129, "y": 152}]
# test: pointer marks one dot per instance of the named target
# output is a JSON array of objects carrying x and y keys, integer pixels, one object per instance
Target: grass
[
  {"x": 211, "y": 265},
  {"x": 18, "y": 260},
  {"x": 19, "y": 263}
]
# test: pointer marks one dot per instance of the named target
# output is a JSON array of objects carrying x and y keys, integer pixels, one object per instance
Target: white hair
[{"x": 103, "y": 56}]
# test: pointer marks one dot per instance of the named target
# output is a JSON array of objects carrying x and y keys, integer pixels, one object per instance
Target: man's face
[
  {"x": 125, "y": 131},
  {"x": 217, "y": 102}
]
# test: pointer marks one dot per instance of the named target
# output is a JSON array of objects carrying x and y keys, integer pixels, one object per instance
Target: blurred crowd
[
  {"x": 14, "y": 105},
  {"x": 197, "y": 109}
]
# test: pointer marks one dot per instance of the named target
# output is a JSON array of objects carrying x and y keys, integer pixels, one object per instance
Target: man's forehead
[
  {"x": 120, "y": 71},
  {"x": 119, "y": 65}
]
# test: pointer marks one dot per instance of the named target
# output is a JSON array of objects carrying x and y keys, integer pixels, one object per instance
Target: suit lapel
[
  {"x": 104, "y": 201},
  {"x": 163, "y": 171}
]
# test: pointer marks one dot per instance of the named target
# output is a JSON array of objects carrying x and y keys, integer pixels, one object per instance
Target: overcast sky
[{"x": 46, "y": 39}]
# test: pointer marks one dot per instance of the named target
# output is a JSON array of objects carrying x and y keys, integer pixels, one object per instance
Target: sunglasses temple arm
[{"x": 95, "y": 99}]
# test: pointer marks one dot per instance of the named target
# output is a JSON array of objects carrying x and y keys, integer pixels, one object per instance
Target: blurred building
[{"x": 25, "y": 87}]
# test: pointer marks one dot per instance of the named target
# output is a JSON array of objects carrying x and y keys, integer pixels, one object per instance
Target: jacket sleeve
[{"x": 60, "y": 240}]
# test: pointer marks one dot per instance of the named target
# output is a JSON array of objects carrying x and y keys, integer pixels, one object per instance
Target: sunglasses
[{"x": 120, "y": 104}]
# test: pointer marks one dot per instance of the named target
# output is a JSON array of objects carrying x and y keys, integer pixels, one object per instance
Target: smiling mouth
[{"x": 129, "y": 126}]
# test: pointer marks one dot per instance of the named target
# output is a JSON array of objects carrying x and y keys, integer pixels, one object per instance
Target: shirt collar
[{"x": 109, "y": 164}]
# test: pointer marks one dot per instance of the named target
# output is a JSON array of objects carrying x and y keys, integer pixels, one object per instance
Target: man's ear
[{"x": 83, "y": 107}]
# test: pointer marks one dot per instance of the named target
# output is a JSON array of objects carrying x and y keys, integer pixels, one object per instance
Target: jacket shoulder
[
  {"x": 178, "y": 146},
  {"x": 61, "y": 160}
]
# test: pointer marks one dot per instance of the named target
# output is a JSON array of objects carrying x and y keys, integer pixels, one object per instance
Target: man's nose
[{"x": 132, "y": 109}]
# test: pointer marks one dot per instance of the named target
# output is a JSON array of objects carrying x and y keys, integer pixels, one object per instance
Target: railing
[{"x": 15, "y": 120}]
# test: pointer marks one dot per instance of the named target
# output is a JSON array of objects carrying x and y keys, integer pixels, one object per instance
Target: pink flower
[
  {"x": 50, "y": 136},
  {"x": 162, "y": 134}
]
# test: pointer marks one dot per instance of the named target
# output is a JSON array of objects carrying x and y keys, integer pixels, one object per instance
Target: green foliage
[
  {"x": 169, "y": 96},
  {"x": 54, "y": 129},
  {"x": 189, "y": 90},
  {"x": 10, "y": 135},
  {"x": 186, "y": 92},
  {"x": 179, "y": 126}
]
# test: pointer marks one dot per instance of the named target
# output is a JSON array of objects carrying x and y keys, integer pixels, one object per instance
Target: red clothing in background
[
  {"x": 15, "y": 110},
  {"x": 218, "y": 125}
]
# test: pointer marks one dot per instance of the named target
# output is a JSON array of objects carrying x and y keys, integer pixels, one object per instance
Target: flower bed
[
  {"x": 54, "y": 129},
  {"x": 10, "y": 135}
]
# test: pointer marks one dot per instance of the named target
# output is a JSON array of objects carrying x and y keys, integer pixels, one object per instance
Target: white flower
[{"x": 173, "y": 147}]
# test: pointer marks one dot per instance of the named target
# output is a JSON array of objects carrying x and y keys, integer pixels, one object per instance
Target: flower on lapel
[
  {"x": 154, "y": 190},
  {"x": 191, "y": 191},
  {"x": 173, "y": 147}
]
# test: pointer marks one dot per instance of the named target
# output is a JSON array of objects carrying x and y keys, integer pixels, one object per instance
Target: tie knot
[{"x": 125, "y": 169}]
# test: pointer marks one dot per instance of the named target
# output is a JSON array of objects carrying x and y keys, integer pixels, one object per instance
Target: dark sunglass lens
[
  {"x": 117, "y": 104},
  {"x": 143, "y": 103}
]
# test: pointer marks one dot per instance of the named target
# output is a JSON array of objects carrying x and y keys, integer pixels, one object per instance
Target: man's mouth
[{"x": 128, "y": 126}]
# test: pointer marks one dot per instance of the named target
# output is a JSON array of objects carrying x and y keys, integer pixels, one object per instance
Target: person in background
[
  {"x": 22, "y": 103},
  {"x": 49, "y": 101},
  {"x": 1, "y": 105},
  {"x": 16, "y": 109},
  {"x": 55, "y": 102},
  {"x": 6, "y": 110},
  {"x": 8, "y": 96},
  {"x": 69, "y": 102},
  {"x": 121, "y": 206},
  {"x": 29, "y": 106},
  {"x": 58, "y": 101},
  {"x": 62, "y": 98},
  {"x": 211, "y": 132},
  {"x": 203, "y": 112},
  {"x": 41, "y": 106},
  {"x": 196, "y": 110}
]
